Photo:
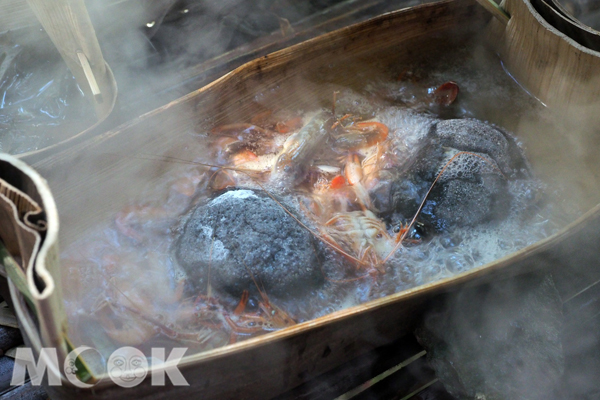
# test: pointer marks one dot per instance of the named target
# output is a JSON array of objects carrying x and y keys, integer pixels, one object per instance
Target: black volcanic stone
[
  {"x": 245, "y": 230},
  {"x": 475, "y": 186}
]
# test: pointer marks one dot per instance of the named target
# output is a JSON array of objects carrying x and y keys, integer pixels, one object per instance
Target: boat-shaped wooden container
[{"x": 93, "y": 180}]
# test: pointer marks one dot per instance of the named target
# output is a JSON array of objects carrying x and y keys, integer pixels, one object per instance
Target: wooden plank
[{"x": 16, "y": 14}]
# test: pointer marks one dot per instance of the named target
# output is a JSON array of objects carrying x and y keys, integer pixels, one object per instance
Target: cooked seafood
[
  {"x": 301, "y": 145},
  {"x": 320, "y": 209}
]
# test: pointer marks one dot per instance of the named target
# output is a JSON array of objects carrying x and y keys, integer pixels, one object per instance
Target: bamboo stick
[{"x": 68, "y": 24}]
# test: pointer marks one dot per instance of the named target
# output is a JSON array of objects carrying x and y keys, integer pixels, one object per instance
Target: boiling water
[{"x": 129, "y": 259}]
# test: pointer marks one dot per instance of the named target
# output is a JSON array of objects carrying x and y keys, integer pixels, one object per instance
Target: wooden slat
[
  {"x": 404, "y": 383},
  {"x": 433, "y": 392},
  {"x": 355, "y": 372},
  {"x": 68, "y": 24},
  {"x": 16, "y": 14}
]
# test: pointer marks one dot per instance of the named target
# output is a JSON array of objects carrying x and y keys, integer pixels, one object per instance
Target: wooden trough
[{"x": 90, "y": 182}]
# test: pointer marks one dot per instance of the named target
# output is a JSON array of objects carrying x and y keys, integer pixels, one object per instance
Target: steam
[
  {"x": 157, "y": 48},
  {"x": 534, "y": 336},
  {"x": 562, "y": 150},
  {"x": 498, "y": 341}
]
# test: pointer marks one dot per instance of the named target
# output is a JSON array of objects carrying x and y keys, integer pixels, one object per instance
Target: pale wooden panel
[
  {"x": 15, "y": 14},
  {"x": 559, "y": 71}
]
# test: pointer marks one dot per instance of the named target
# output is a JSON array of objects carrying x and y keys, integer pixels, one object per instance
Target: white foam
[
  {"x": 477, "y": 246},
  {"x": 406, "y": 127}
]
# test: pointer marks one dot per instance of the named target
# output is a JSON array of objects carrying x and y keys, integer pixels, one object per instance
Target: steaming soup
[{"x": 295, "y": 212}]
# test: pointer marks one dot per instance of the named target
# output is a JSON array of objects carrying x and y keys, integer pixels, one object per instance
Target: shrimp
[
  {"x": 360, "y": 135},
  {"x": 276, "y": 122},
  {"x": 137, "y": 326},
  {"x": 365, "y": 238},
  {"x": 130, "y": 330},
  {"x": 268, "y": 318},
  {"x": 241, "y": 143},
  {"x": 360, "y": 233},
  {"x": 131, "y": 310},
  {"x": 354, "y": 176},
  {"x": 301, "y": 146}
]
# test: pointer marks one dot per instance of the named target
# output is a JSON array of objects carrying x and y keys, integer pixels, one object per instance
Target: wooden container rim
[
  {"x": 554, "y": 31},
  {"x": 61, "y": 144}
]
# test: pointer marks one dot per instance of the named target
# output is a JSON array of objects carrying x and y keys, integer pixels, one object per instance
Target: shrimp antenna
[
  {"x": 439, "y": 175},
  {"x": 262, "y": 292},
  {"x": 335, "y": 93},
  {"x": 208, "y": 286},
  {"x": 249, "y": 173},
  {"x": 336, "y": 280},
  {"x": 151, "y": 157}
]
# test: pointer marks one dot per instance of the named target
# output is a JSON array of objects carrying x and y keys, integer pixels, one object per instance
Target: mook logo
[{"x": 126, "y": 366}]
